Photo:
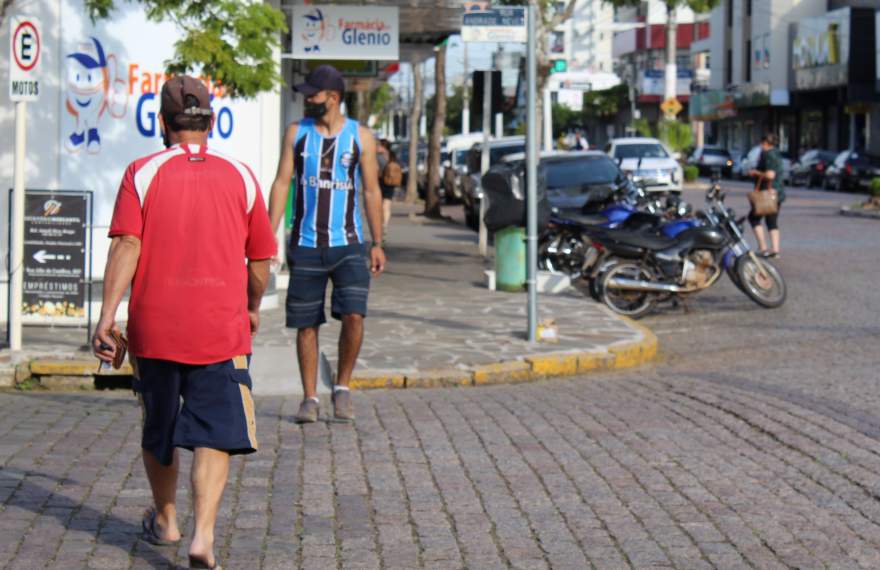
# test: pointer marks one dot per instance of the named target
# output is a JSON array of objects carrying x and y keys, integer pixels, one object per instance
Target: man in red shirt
[{"x": 185, "y": 220}]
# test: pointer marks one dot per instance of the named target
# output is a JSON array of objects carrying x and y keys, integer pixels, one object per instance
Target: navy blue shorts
[
  {"x": 311, "y": 268},
  {"x": 217, "y": 410}
]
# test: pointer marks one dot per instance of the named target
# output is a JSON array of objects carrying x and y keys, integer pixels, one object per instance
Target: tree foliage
[
  {"x": 231, "y": 41},
  {"x": 676, "y": 135}
]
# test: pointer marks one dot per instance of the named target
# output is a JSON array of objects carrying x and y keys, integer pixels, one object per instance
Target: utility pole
[
  {"x": 466, "y": 100},
  {"x": 531, "y": 179}
]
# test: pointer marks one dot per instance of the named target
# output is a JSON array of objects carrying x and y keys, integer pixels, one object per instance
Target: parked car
[
  {"x": 750, "y": 162},
  {"x": 454, "y": 166},
  {"x": 810, "y": 169},
  {"x": 573, "y": 178},
  {"x": 649, "y": 161},
  {"x": 708, "y": 158},
  {"x": 471, "y": 192},
  {"x": 852, "y": 171}
]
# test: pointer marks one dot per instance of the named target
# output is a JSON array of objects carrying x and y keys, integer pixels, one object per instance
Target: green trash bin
[{"x": 510, "y": 259}]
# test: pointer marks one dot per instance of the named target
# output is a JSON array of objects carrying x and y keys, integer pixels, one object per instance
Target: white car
[{"x": 648, "y": 161}]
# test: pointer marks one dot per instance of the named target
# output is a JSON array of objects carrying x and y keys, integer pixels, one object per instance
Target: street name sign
[
  {"x": 507, "y": 24},
  {"x": 24, "y": 58}
]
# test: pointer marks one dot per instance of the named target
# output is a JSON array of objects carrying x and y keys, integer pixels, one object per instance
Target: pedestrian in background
[
  {"x": 185, "y": 220},
  {"x": 389, "y": 181},
  {"x": 769, "y": 172},
  {"x": 331, "y": 159}
]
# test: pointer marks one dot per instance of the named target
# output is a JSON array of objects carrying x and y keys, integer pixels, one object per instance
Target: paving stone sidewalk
[{"x": 430, "y": 311}]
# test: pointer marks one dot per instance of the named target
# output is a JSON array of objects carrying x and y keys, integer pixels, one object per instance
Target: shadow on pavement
[{"x": 108, "y": 530}]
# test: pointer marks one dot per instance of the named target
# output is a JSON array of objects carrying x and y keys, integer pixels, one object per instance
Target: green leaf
[{"x": 230, "y": 41}]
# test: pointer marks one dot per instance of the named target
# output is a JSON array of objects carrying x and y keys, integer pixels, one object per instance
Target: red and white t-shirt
[{"x": 199, "y": 215}]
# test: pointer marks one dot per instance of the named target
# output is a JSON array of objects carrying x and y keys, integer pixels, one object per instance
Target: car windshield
[
  {"x": 460, "y": 156},
  {"x": 640, "y": 150},
  {"x": 580, "y": 172},
  {"x": 716, "y": 152}
]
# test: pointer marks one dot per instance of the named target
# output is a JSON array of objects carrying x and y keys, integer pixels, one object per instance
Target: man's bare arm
[
  {"x": 122, "y": 263},
  {"x": 258, "y": 279},
  {"x": 372, "y": 192},
  {"x": 281, "y": 185}
]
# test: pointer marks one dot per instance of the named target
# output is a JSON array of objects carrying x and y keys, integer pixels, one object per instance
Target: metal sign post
[
  {"x": 531, "y": 180},
  {"x": 24, "y": 85},
  {"x": 484, "y": 157}
]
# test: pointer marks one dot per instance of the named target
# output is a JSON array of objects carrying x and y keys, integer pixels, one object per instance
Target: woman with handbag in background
[{"x": 768, "y": 196}]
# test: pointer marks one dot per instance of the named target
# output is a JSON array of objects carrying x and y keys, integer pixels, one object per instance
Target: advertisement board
[
  {"x": 653, "y": 82},
  {"x": 820, "y": 50},
  {"x": 345, "y": 32},
  {"x": 55, "y": 256}
]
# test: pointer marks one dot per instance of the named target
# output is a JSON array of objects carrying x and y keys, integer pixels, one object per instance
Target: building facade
[{"x": 803, "y": 69}]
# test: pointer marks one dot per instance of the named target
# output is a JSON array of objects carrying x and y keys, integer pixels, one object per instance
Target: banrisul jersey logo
[{"x": 101, "y": 90}]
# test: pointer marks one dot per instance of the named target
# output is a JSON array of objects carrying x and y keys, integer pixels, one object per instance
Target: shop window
[
  {"x": 728, "y": 70},
  {"x": 748, "y": 62}
]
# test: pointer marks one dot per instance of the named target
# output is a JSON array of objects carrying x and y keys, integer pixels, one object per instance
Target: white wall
[{"x": 128, "y": 39}]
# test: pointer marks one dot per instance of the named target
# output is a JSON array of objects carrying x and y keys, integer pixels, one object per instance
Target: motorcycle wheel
[
  {"x": 766, "y": 289},
  {"x": 633, "y": 304}
]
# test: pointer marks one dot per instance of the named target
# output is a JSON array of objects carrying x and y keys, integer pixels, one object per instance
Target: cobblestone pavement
[
  {"x": 753, "y": 443},
  {"x": 645, "y": 473}
]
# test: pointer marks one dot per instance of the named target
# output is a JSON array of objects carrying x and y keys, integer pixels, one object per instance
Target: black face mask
[{"x": 315, "y": 110}]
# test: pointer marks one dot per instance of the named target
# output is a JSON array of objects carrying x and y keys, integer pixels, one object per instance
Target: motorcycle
[
  {"x": 649, "y": 268},
  {"x": 565, "y": 245}
]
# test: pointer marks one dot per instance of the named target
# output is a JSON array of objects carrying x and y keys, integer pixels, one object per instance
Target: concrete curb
[
  {"x": 860, "y": 213},
  {"x": 529, "y": 368},
  {"x": 59, "y": 373}
]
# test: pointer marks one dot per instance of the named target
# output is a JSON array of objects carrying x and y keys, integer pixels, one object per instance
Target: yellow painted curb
[
  {"x": 369, "y": 380},
  {"x": 503, "y": 372},
  {"x": 554, "y": 364},
  {"x": 442, "y": 378},
  {"x": 59, "y": 367}
]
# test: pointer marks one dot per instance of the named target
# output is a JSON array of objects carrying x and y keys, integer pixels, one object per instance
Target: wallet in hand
[{"x": 121, "y": 348}]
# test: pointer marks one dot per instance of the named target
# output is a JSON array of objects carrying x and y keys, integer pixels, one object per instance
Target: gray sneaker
[
  {"x": 308, "y": 412},
  {"x": 342, "y": 408}
]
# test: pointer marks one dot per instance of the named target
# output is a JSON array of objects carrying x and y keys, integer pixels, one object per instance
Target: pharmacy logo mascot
[
  {"x": 94, "y": 87},
  {"x": 317, "y": 30}
]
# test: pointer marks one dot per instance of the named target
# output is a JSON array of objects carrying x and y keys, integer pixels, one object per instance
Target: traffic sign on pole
[
  {"x": 507, "y": 24},
  {"x": 24, "y": 58}
]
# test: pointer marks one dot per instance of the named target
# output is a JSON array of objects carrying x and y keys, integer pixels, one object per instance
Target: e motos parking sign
[{"x": 24, "y": 58}]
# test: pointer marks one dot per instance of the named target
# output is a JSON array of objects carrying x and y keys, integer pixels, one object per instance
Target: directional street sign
[
  {"x": 506, "y": 24},
  {"x": 24, "y": 58}
]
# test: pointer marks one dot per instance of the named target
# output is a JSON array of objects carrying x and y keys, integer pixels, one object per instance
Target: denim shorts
[
  {"x": 217, "y": 410},
  {"x": 310, "y": 270}
]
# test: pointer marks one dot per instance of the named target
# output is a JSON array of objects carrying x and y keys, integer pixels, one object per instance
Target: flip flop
[
  {"x": 149, "y": 533},
  {"x": 198, "y": 563}
]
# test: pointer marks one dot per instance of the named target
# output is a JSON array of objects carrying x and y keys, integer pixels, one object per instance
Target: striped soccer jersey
[{"x": 327, "y": 182}]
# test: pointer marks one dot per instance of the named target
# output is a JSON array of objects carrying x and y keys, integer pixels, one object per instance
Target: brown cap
[{"x": 174, "y": 93}]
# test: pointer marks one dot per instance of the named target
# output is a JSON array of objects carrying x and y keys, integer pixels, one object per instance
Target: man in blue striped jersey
[{"x": 330, "y": 159}]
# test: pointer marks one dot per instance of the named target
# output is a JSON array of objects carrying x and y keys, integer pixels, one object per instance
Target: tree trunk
[
  {"x": 363, "y": 107},
  {"x": 432, "y": 204},
  {"x": 671, "y": 75},
  {"x": 412, "y": 180}
]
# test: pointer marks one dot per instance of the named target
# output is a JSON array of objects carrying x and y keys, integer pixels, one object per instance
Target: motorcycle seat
[
  {"x": 587, "y": 219},
  {"x": 643, "y": 240}
]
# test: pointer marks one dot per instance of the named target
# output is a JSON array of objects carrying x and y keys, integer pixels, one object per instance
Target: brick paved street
[
  {"x": 753, "y": 443},
  {"x": 612, "y": 473}
]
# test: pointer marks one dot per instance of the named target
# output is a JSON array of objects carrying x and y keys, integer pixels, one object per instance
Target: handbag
[{"x": 764, "y": 201}]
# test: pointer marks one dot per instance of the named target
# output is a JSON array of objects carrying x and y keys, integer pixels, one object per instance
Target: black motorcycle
[{"x": 646, "y": 268}]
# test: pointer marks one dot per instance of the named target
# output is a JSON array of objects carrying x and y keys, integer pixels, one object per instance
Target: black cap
[{"x": 322, "y": 78}]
